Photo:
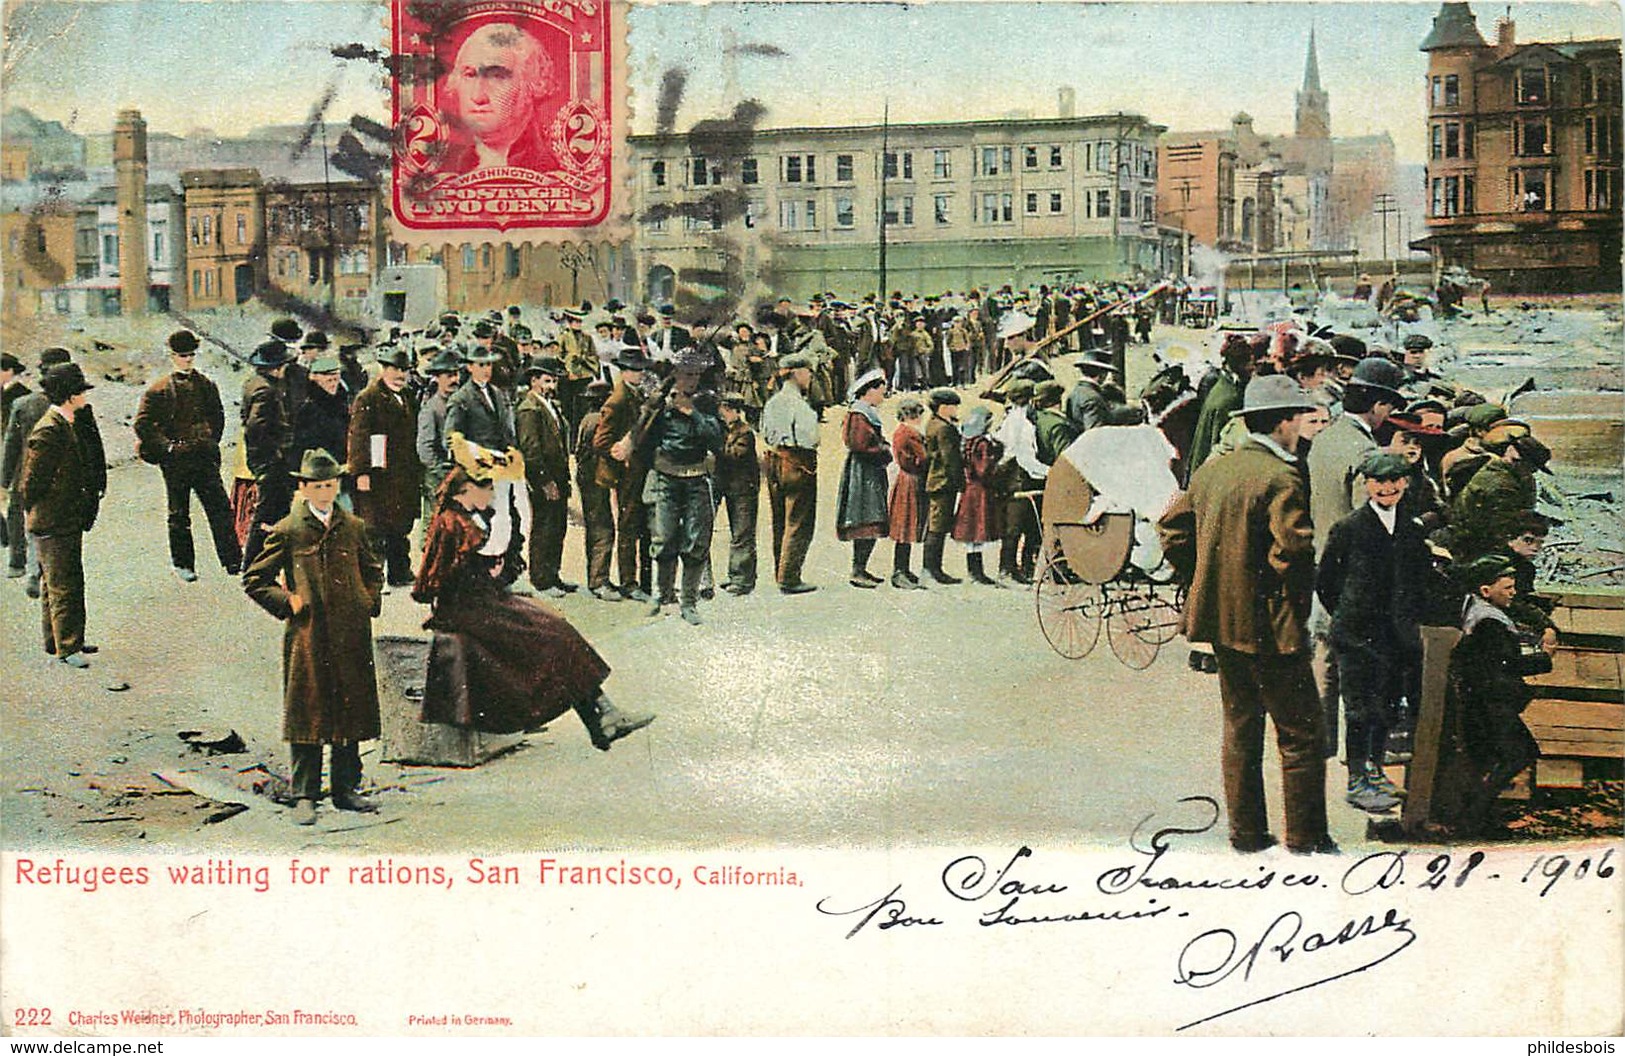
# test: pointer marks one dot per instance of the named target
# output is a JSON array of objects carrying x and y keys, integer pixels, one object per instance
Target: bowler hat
[
  {"x": 52, "y": 356},
  {"x": 1273, "y": 392},
  {"x": 667, "y": 310},
  {"x": 446, "y": 361},
  {"x": 63, "y": 382},
  {"x": 613, "y": 305},
  {"x": 394, "y": 356},
  {"x": 314, "y": 339},
  {"x": 317, "y": 465},
  {"x": 484, "y": 329},
  {"x": 269, "y": 354},
  {"x": 182, "y": 341},
  {"x": 549, "y": 365},
  {"x": 1417, "y": 343},
  {"x": 1384, "y": 465},
  {"x": 12, "y": 363},
  {"x": 1381, "y": 376},
  {"x": 631, "y": 358},
  {"x": 286, "y": 330},
  {"x": 483, "y": 355},
  {"x": 943, "y": 397}
]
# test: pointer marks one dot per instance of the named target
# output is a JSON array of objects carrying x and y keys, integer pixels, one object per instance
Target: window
[
  {"x": 1436, "y": 93},
  {"x": 900, "y": 210},
  {"x": 1601, "y": 139},
  {"x": 510, "y": 260},
  {"x": 242, "y": 229},
  {"x": 1452, "y": 90},
  {"x": 657, "y": 222},
  {"x": 790, "y": 216},
  {"x": 208, "y": 236},
  {"x": 753, "y": 211},
  {"x": 1055, "y": 157},
  {"x": 1055, "y": 201},
  {"x": 485, "y": 258},
  {"x": 939, "y": 208},
  {"x": 748, "y": 172},
  {"x": 1436, "y": 143},
  {"x": 843, "y": 168},
  {"x": 1452, "y": 195},
  {"x": 1103, "y": 157},
  {"x": 703, "y": 172},
  {"x": 1452, "y": 140},
  {"x": 110, "y": 250},
  {"x": 798, "y": 168},
  {"x": 1530, "y": 186},
  {"x": 1125, "y": 203},
  {"x": 1469, "y": 203},
  {"x": 990, "y": 209},
  {"x": 1148, "y": 208},
  {"x": 1103, "y": 204},
  {"x": 468, "y": 258},
  {"x": 900, "y": 165},
  {"x": 1602, "y": 188},
  {"x": 941, "y": 165},
  {"x": 1531, "y": 87},
  {"x": 1588, "y": 85},
  {"x": 1032, "y": 201},
  {"x": 1533, "y": 136},
  {"x": 1468, "y": 129},
  {"x": 197, "y": 283},
  {"x": 810, "y": 215},
  {"x": 1029, "y": 157},
  {"x": 157, "y": 247},
  {"x": 657, "y": 173},
  {"x": 844, "y": 213},
  {"x": 996, "y": 160}
]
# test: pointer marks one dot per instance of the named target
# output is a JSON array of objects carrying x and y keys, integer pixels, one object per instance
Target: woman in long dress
[
  {"x": 906, "y": 506},
  {"x": 860, "y": 513},
  {"x": 520, "y": 664}
]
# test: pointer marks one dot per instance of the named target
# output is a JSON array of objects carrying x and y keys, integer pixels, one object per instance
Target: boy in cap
[
  {"x": 1371, "y": 577},
  {"x": 1241, "y": 538},
  {"x": 1055, "y": 431},
  {"x": 739, "y": 488},
  {"x": 318, "y": 574},
  {"x": 178, "y": 426},
  {"x": 57, "y": 489},
  {"x": 1525, "y": 539},
  {"x": 1488, "y": 668},
  {"x": 1502, "y": 490},
  {"x": 383, "y": 459},
  {"x": 944, "y": 479}
]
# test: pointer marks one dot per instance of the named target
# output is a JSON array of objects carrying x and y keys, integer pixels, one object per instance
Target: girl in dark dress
[{"x": 520, "y": 665}]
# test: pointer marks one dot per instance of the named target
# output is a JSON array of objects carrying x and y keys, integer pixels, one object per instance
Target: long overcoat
[
  {"x": 1241, "y": 536},
  {"x": 391, "y": 502},
  {"x": 329, "y": 688}
]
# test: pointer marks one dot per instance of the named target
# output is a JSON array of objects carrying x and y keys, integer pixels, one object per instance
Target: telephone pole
[
  {"x": 885, "y": 145},
  {"x": 1385, "y": 208}
]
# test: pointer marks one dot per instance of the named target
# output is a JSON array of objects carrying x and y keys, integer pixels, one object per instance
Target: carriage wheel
[
  {"x": 1153, "y": 614},
  {"x": 1127, "y": 613},
  {"x": 1068, "y": 609}
]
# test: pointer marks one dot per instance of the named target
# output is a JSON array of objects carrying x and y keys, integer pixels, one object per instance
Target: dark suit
[
  {"x": 267, "y": 434},
  {"x": 56, "y": 487},
  {"x": 618, "y": 418},
  {"x": 1087, "y": 405},
  {"x": 489, "y": 424},
  {"x": 1372, "y": 583},
  {"x": 178, "y": 428},
  {"x": 542, "y": 433}
]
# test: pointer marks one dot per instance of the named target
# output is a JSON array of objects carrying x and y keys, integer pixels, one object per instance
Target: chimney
[
  {"x": 1505, "y": 36},
  {"x": 130, "y": 171},
  {"x": 1067, "y": 103}
]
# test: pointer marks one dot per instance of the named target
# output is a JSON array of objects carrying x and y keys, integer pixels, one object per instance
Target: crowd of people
[{"x": 1339, "y": 495}]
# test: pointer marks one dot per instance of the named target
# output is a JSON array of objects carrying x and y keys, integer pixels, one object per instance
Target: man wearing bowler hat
[
  {"x": 383, "y": 458},
  {"x": 317, "y": 574},
  {"x": 543, "y": 438},
  {"x": 446, "y": 370},
  {"x": 1242, "y": 540},
  {"x": 623, "y": 468},
  {"x": 1095, "y": 400},
  {"x": 57, "y": 489},
  {"x": 178, "y": 428},
  {"x": 12, "y": 389},
  {"x": 1335, "y": 490},
  {"x": 267, "y": 432}
]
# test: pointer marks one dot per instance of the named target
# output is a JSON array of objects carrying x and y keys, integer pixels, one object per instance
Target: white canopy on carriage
[{"x": 1129, "y": 469}]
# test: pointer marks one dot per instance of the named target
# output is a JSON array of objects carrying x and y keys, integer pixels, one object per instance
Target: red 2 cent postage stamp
[{"x": 504, "y": 114}]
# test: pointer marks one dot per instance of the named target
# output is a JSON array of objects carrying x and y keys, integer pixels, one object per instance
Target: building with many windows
[
  {"x": 1523, "y": 172},
  {"x": 225, "y": 239},
  {"x": 97, "y": 285},
  {"x": 324, "y": 241},
  {"x": 794, "y": 211}
]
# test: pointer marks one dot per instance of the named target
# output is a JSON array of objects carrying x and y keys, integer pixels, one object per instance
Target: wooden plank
[
  {"x": 1574, "y": 597},
  {"x": 1593, "y": 623},
  {"x": 1556, "y": 749},
  {"x": 1575, "y": 714},
  {"x": 1560, "y": 773},
  {"x": 1437, "y": 644},
  {"x": 1583, "y": 668}
]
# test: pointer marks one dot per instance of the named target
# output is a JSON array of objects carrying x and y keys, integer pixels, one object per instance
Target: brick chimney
[
  {"x": 130, "y": 171},
  {"x": 1506, "y": 36}
]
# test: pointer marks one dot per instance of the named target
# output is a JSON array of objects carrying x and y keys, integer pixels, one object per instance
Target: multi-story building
[
  {"x": 1242, "y": 191},
  {"x": 794, "y": 211},
  {"x": 225, "y": 236},
  {"x": 37, "y": 253},
  {"x": 1523, "y": 170},
  {"x": 96, "y": 288},
  {"x": 324, "y": 241}
]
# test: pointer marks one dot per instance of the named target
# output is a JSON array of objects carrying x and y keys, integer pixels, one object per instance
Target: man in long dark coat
[
  {"x": 267, "y": 433},
  {"x": 543, "y": 438},
  {"x": 317, "y": 574}
]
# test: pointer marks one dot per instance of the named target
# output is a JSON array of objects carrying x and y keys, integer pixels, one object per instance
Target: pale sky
[{"x": 233, "y": 64}]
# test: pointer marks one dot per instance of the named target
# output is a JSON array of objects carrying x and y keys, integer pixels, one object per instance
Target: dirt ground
[{"x": 842, "y": 718}]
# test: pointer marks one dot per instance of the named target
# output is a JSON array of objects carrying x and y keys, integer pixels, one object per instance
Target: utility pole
[
  {"x": 1385, "y": 208},
  {"x": 1185, "y": 184},
  {"x": 332, "y": 250},
  {"x": 885, "y": 146}
]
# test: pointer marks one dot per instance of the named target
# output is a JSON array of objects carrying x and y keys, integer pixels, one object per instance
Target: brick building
[
  {"x": 225, "y": 236},
  {"x": 324, "y": 241},
  {"x": 1523, "y": 172}
]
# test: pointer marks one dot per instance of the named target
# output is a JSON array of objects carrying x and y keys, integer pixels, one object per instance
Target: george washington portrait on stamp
[{"x": 504, "y": 121}]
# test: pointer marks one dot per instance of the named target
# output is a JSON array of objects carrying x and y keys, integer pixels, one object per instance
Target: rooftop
[{"x": 901, "y": 127}]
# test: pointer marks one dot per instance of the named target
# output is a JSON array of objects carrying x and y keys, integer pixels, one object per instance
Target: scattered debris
[
  {"x": 214, "y": 742},
  {"x": 230, "y": 810}
]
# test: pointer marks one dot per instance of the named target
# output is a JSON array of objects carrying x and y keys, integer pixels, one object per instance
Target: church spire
[{"x": 1311, "y": 66}]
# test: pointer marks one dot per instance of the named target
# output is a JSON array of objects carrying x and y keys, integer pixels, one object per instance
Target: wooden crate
[{"x": 1576, "y": 728}]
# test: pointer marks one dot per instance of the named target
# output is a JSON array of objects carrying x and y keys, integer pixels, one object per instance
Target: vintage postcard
[{"x": 565, "y": 517}]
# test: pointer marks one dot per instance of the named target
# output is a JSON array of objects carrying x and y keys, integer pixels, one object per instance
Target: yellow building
[{"x": 225, "y": 236}]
